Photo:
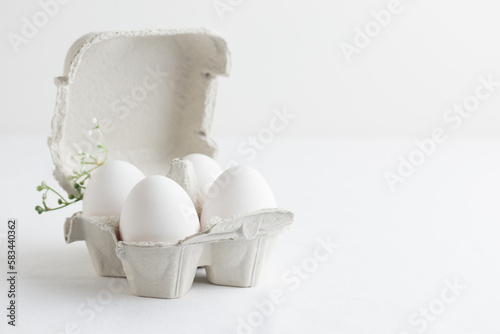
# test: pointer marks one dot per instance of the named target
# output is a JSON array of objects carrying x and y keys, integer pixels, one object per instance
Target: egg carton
[
  {"x": 153, "y": 92},
  {"x": 233, "y": 251}
]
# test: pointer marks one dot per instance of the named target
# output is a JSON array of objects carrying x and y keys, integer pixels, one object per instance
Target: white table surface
[{"x": 396, "y": 250}]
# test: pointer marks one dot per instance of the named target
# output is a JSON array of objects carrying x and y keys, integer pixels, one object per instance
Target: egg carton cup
[
  {"x": 173, "y": 119},
  {"x": 100, "y": 235},
  {"x": 234, "y": 252}
]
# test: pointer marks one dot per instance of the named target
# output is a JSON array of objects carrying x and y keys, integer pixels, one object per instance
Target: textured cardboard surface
[
  {"x": 159, "y": 83},
  {"x": 233, "y": 251},
  {"x": 176, "y": 116},
  {"x": 101, "y": 235}
]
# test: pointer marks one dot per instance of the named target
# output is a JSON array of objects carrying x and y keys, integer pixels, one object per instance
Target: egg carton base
[
  {"x": 234, "y": 252},
  {"x": 100, "y": 236},
  {"x": 169, "y": 272}
]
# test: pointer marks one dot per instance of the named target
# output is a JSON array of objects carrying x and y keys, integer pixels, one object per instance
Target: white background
[
  {"x": 354, "y": 120},
  {"x": 286, "y": 53}
]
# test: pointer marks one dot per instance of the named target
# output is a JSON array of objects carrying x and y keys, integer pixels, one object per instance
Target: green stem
[
  {"x": 49, "y": 188},
  {"x": 92, "y": 169},
  {"x": 86, "y": 177},
  {"x": 62, "y": 206},
  {"x": 78, "y": 177}
]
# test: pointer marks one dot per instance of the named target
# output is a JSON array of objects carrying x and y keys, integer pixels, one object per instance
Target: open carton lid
[{"x": 152, "y": 92}]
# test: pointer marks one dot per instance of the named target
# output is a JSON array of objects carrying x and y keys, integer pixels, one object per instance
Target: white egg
[
  {"x": 238, "y": 190},
  {"x": 108, "y": 188},
  {"x": 206, "y": 169},
  {"x": 158, "y": 209}
]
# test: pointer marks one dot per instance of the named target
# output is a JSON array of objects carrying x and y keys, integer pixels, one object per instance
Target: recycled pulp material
[
  {"x": 234, "y": 252},
  {"x": 153, "y": 93},
  {"x": 101, "y": 236}
]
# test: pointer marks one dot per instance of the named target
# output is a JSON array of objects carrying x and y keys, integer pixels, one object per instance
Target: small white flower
[
  {"x": 94, "y": 121},
  {"x": 90, "y": 132}
]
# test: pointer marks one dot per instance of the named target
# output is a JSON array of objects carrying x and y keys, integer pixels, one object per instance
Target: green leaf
[
  {"x": 39, "y": 209},
  {"x": 60, "y": 201},
  {"x": 71, "y": 196},
  {"x": 39, "y": 188}
]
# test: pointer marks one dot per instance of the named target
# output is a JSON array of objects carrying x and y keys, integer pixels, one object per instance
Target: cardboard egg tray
[
  {"x": 153, "y": 92},
  {"x": 234, "y": 252}
]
